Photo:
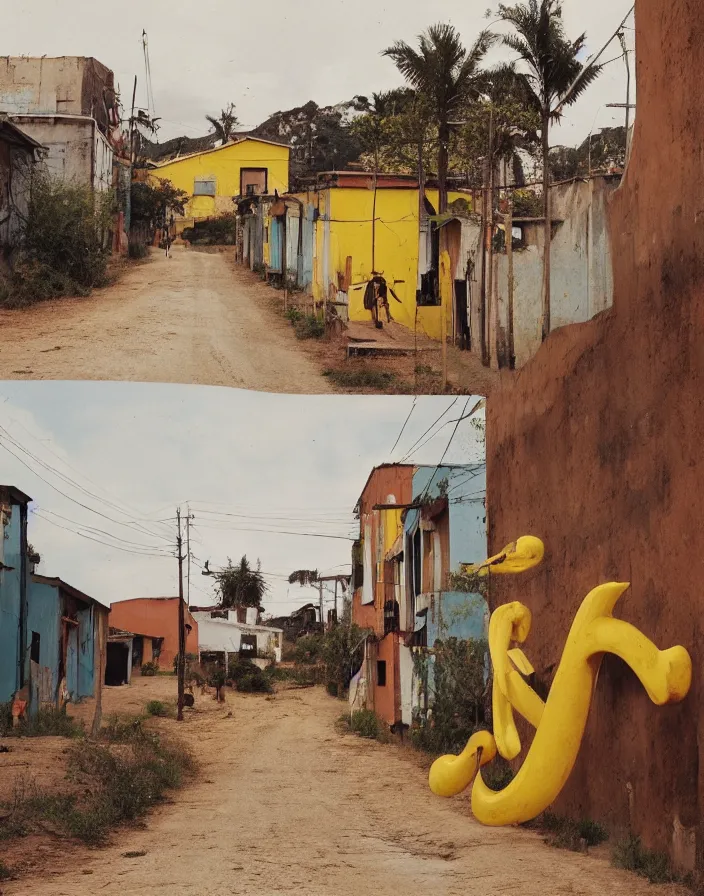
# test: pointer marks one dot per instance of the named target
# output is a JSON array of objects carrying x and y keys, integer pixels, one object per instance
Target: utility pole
[
  {"x": 320, "y": 589},
  {"x": 189, "y": 517},
  {"x": 181, "y": 621},
  {"x": 337, "y": 618}
]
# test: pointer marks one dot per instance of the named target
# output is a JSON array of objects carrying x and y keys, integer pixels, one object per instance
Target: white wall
[{"x": 225, "y": 635}]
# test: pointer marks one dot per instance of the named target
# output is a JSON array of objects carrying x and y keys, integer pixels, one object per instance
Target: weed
[
  {"x": 5, "y": 873},
  {"x": 498, "y": 775},
  {"x": 279, "y": 673},
  {"x": 5, "y": 718},
  {"x": 378, "y": 380},
  {"x": 150, "y": 669},
  {"x": 365, "y": 723},
  {"x": 309, "y": 326},
  {"x": 158, "y": 708},
  {"x": 426, "y": 370},
  {"x": 631, "y": 855},
  {"x": 565, "y": 833},
  {"x": 48, "y": 723}
]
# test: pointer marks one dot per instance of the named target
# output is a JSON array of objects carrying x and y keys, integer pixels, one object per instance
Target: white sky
[
  {"x": 134, "y": 451},
  {"x": 267, "y": 57}
]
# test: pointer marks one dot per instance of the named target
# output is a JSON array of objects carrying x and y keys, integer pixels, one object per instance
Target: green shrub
[
  {"x": 631, "y": 855},
  {"x": 150, "y": 669},
  {"x": 137, "y": 249},
  {"x": 498, "y": 774},
  {"x": 310, "y": 327},
  {"x": 63, "y": 243},
  {"x": 308, "y": 649},
  {"x": 157, "y": 708},
  {"x": 279, "y": 673},
  {"x": 365, "y": 723},
  {"x": 5, "y": 718},
  {"x": 5, "y": 873},
  {"x": 220, "y": 231}
]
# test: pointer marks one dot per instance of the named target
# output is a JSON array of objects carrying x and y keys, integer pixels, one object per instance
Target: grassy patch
[
  {"x": 631, "y": 855},
  {"x": 307, "y": 326},
  {"x": 565, "y": 833},
  {"x": 159, "y": 708},
  {"x": 46, "y": 723},
  {"x": 361, "y": 379},
  {"x": 121, "y": 778},
  {"x": 365, "y": 724}
]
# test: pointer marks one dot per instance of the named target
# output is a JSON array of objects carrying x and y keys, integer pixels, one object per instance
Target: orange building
[
  {"x": 388, "y": 490},
  {"x": 155, "y": 618}
]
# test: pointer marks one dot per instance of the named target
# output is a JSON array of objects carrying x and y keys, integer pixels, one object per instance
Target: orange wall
[
  {"x": 388, "y": 480},
  {"x": 385, "y": 703},
  {"x": 157, "y": 618}
]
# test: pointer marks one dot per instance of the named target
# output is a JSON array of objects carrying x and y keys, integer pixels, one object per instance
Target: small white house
[{"x": 219, "y": 631}]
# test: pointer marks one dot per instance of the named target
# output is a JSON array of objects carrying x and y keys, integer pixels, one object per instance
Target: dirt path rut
[
  {"x": 285, "y": 804},
  {"x": 191, "y": 318}
]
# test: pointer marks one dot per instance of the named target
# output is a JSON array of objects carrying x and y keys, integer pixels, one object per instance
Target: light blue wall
[
  {"x": 456, "y": 614},
  {"x": 10, "y": 596},
  {"x": 86, "y": 652},
  {"x": 44, "y": 617}
]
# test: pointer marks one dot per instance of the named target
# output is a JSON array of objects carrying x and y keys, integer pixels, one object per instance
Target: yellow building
[
  {"x": 343, "y": 257},
  {"x": 212, "y": 178}
]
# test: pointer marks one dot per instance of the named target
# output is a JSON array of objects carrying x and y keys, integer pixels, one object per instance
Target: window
[
  {"x": 391, "y": 617},
  {"x": 381, "y": 673},
  {"x": 34, "y": 649},
  {"x": 254, "y": 181},
  {"x": 156, "y": 648},
  {"x": 204, "y": 186},
  {"x": 248, "y": 645}
]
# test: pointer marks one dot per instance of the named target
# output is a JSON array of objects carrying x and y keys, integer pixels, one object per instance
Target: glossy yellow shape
[{"x": 666, "y": 676}]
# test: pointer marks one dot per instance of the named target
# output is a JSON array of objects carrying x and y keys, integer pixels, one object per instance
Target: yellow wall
[
  {"x": 396, "y": 255},
  {"x": 224, "y": 165}
]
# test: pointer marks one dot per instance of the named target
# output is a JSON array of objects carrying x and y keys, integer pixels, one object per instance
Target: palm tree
[
  {"x": 241, "y": 586},
  {"x": 226, "y": 124},
  {"x": 550, "y": 68},
  {"x": 448, "y": 75}
]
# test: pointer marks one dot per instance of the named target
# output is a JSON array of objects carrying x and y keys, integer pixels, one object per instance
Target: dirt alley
[
  {"x": 190, "y": 318},
  {"x": 283, "y": 803}
]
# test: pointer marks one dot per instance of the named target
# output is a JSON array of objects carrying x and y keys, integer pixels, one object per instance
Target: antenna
[{"x": 148, "y": 71}]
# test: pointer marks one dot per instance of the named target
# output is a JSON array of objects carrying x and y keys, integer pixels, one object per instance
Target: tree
[
  {"x": 241, "y": 586},
  {"x": 447, "y": 75},
  {"x": 304, "y": 577},
  {"x": 225, "y": 125},
  {"x": 550, "y": 67},
  {"x": 153, "y": 200}
]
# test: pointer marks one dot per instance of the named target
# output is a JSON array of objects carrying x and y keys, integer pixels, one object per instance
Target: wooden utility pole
[
  {"x": 509, "y": 259},
  {"x": 181, "y": 666},
  {"x": 322, "y": 621},
  {"x": 189, "y": 517},
  {"x": 445, "y": 296},
  {"x": 490, "y": 239}
]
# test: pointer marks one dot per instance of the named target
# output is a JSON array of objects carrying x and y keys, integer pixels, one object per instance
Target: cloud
[{"x": 258, "y": 471}]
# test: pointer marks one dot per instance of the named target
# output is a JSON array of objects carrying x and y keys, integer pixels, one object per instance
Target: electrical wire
[
  {"x": 447, "y": 410},
  {"x": 403, "y": 428},
  {"x": 115, "y": 547}
]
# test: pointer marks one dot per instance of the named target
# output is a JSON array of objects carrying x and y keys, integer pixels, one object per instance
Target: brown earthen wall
[{"x": 597, "y": 447}]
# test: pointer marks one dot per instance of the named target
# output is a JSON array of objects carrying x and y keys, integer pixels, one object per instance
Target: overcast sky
[
  {"x": 113, "y": 460},
  {"x": 267, "y": 57}
]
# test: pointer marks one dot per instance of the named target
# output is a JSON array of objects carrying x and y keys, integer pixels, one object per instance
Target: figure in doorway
[{"x": 376, "y": 298}]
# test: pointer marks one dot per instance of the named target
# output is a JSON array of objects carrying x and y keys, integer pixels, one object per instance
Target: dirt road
[
  {"x": 191, "y": 318},
  {"x": 284, "y": 804}
]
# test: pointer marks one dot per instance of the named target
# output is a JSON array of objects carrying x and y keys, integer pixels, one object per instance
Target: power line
[
  {"x": 447, "y": 410},
  {"x": 41, "y": 510},
  {"x": 403, "y": 428},
  {"x": 114, "y": 547},
  {"x": 77, "y": 485},
  {"x": 447, "y": 448}
]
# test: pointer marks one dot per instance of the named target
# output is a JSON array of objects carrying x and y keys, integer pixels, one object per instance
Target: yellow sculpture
[{"x": 559, "y": 723}]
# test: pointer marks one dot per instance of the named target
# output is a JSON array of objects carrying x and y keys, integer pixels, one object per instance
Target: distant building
[
  {"x": 53, "y": 637},
  {"x": 125, "y": 654},
  {"x": 212, "y": 178},
  {"x": 221, "y": 634},
  {"x": 155, "y": 619}
]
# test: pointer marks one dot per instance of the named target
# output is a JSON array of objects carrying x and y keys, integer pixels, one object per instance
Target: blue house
[
  {"x": 53, "y": 637},
  {"x": 443, "y": 527}
]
